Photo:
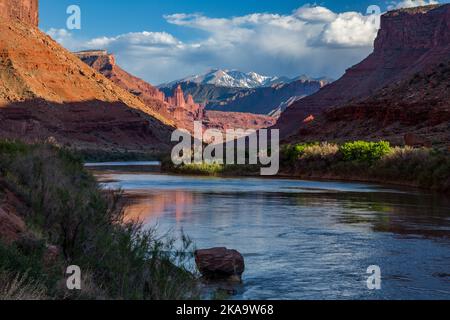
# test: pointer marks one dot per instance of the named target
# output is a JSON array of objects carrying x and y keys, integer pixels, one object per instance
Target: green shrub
[
  {"x": 372, "y": 161},
  {"x": 201, "y": 168},
  {"x": 291, "y": 153},
  {"x": 13, "y": 147},
  {"x": 67, "y": 208},
  {"x": 363, "y": 151},
  {"x": 427, "y": 168}
]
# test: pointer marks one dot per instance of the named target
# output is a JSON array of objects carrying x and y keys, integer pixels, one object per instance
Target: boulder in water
[{"x": 220, "y": 264}]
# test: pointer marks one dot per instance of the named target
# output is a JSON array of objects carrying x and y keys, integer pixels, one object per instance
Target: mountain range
[
  {"x": 268, "y": 100},
  {"x": 236, "y": 91},
  {"x": 230, "y": 79}
]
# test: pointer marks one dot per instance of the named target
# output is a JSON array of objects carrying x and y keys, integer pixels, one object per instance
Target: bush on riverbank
[
  {"x": 64, "y": 208},
  {"x": 210, "y": 169},
  {"x": 370, "y": 161},
  {"x": 364, "y": 151}
]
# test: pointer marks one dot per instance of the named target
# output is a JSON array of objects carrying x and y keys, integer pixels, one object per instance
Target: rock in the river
[{"x": 220, "y": 263}]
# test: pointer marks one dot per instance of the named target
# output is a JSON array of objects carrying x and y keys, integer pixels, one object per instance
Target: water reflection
[
  {"x": 306, "y": 240},
  {"x": 150, "y": 207}
]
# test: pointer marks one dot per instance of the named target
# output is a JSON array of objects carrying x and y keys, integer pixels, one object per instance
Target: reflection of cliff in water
[
  {"x": 150, "y": 207},
  {"x": 399, "y": 213}
]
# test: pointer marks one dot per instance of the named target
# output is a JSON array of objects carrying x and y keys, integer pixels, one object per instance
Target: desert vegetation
[
  {"x": 70, "y": 220},
  {"x": 214, "y": 169},
  {"x": 369, "y": 161},
  {"x": 355, "y": 160}
]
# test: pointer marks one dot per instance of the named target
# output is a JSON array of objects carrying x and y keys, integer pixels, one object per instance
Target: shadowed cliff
[
  {"x": 409, "y": 41},
  {"x": 85, "y": 125}
]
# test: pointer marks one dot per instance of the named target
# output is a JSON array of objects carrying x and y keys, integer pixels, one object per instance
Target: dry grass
[
  {"x": 19, "y": 287},
  {"x": 407, "y": 154},
  {"x": 320, "y": 151}
]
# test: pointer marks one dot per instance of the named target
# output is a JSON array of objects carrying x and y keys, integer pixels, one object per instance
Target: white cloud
[
  {"x": 64, "y": 37},
  {"x": 410, "y": 4},
  {"x": 315, "y": 14},
  {"x": 144, "y": 38},
  {"x": 312, "y": 40}
]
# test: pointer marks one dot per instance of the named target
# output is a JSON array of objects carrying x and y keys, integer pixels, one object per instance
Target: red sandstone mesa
[{"x": 409, "y": 41}]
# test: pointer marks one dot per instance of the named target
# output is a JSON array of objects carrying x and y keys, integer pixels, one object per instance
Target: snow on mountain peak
[{"x": 232, "y": 79}]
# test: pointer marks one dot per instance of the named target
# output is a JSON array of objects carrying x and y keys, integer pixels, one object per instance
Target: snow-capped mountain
[{"x": 231, "y": 79}]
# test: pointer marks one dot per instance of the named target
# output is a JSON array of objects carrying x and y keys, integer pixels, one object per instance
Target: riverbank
[
  {"x": 54, "y": 214},
  {"x": 354, "y": 161}
]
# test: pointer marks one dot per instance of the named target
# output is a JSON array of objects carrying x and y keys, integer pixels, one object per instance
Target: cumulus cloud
[
  {"x": 65, "y": 38},
  {"x": 312, "y": 40},
  {"x": 410, "y": 4},
  {"x": 350, "y": 29},
  {"x": 315, "y": 14}
]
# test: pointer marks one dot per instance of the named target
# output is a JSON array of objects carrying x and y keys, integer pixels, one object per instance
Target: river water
[{"x": 305, "y": 239}]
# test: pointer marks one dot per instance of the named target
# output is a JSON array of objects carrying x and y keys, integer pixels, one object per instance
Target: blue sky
[
  {"x": 111, "y": 17},
  {"x": 163, "y": 40}
]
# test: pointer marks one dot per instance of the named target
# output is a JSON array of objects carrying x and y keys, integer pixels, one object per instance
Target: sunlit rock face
[
  {"x": 48, "y": 94},
  {"x": 24, "y": 10}
]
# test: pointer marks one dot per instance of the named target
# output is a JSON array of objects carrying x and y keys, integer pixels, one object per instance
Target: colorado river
[{"x": 305, "y": 239}]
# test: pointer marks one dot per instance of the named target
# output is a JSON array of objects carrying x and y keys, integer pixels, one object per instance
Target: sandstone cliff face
[
  {"x": 410, "y": 40},
  {"x": 23, "y": 10},
  {"x": 105, "y": 63},
  {"x": 419, "y": 105},
  {"x": 46, "y": 92},
  {"x": 417, "y": 28}
]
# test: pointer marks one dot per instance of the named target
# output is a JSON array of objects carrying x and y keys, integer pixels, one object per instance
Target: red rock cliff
[
  {"x": 47, "y": 93},
  {"x": 416, "y": 28},
  {"x": 25, "y": 10}
]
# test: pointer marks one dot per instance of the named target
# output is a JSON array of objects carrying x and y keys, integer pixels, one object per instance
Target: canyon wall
[
  {"x": 408, "y": 41},
  {"x": 48, "y": 93},
  {"x": 24, "y": 10}
]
